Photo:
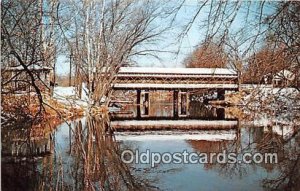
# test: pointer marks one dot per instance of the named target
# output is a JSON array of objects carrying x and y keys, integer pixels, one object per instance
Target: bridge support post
[
  {"x": 175, "y": 103},
  {"x": 183, "y": 103},
  {"x": 138, "y": 103},
  {"x": 146, "y": 102},
  {"x": 221, "y": 95},
  {"x": 220, "y": 113}
]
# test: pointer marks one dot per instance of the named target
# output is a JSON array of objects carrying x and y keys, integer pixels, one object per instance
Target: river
[{"x": 87, "y": 154}]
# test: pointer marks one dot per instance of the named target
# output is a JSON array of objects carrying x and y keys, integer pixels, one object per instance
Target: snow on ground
[
  {"x": 272, "y": 96},
  {"x": 67, "y": 95},
  {"x": 64, "y": 91}
]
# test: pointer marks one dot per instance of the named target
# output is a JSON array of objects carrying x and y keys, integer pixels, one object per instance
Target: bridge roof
[{"x": 151, "y": 70}]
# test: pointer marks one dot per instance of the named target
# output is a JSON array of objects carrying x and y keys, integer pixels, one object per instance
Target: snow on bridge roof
[{"x": 150, "y": 70}]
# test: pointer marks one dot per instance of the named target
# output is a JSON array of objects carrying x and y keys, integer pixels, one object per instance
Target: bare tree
[
  {"x": 207, "y": 55},
  {"x": 263, "y": 65},
  {"x": 256, "y": 21},
  {"x": 28, "y": 41},
  {"x": 105, "y": 35}
]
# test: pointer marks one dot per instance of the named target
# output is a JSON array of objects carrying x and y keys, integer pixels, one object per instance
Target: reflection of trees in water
[
  {"x": 289, "y": 165},
  {"x": 287, "y": 146},
  {"x": 253, "y": 140},
  {"x": 97, "y": 163},
  {"x": 24, "y": 148},
  {"x": 92, "y": 163},
  {"x": 289, "y": 178},
  {"x": 19, "y": 176},
  {"x": 27, "y": 141},
  {"x": 287, "y": 149},
  {"x": 230, "y": 146},
  {"x": 97, "y": 158}
]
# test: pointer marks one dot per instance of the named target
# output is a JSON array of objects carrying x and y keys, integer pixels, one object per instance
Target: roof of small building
[
  {"x": 31, "y": 67},
  {"x": 284, "y": 74}
]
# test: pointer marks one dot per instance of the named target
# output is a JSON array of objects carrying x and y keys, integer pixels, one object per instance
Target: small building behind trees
[
  {"x": 283, "y": 78},
  {"x": 17, "y": 79}
]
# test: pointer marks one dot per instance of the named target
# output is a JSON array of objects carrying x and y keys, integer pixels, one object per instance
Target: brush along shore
[{"x": 27, "y": 109}]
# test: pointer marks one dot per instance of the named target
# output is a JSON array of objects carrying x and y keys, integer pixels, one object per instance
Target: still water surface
[{"x": 86, "y": 156}]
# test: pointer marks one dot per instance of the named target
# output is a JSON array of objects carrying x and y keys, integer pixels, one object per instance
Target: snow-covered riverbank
[{"x": 265, "y": 96}]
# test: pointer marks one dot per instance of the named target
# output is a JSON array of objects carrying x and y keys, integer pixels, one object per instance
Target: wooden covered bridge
[{"x": 178, "y": 80}]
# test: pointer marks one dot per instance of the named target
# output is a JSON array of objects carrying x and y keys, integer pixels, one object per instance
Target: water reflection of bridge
[
  {"x": 171, "y": 123},
  {"x": 178, "y": 80},
  {"x": 163, "y": 111}
]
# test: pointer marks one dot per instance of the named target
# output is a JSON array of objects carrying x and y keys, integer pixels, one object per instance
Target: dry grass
[{"x": 23, "y": 108}]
